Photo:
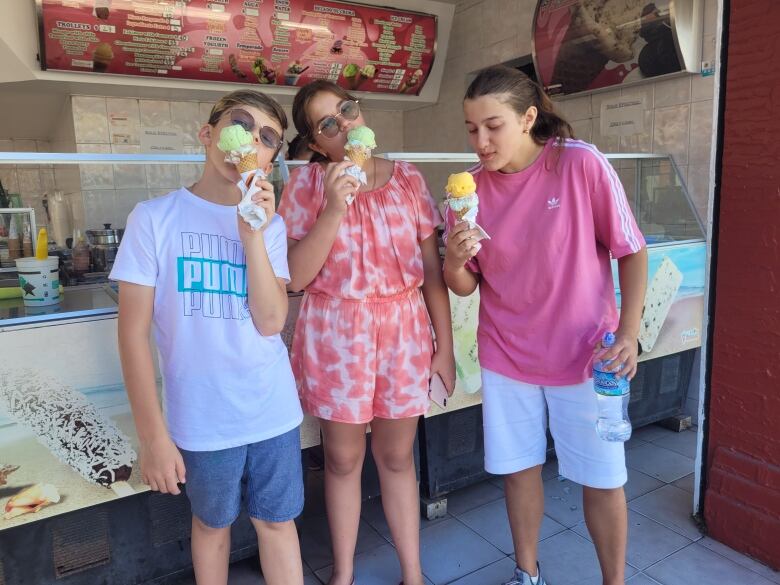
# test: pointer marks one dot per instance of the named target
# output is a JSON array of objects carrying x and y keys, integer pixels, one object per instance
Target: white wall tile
[
  {"x": 573, "y": 109},
  {"x": 128, "y": 176},
  {"x": 90, "y": 119},
  {"x": 189, "y": 174},
  {"x": 702, "y": 88},
  {"x": 162, "y": 177},
  {"x": 642, "y": 142},
  {"x": 29, "y": 182},
  {"x": 672, "y": 92},
  {"x": 96, "y": 176},
  {"x": 99, "y": 208},
  {"x": 670, "y": 132},
  {"x": 700, "y": 133},
  {"x": 185, "y": 117},
  {"x": 583, "y": 130},
  {"x": 155, "y": 113}
]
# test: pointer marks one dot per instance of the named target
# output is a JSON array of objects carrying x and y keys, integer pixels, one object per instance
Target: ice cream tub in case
[{"x": 39, "y": 280}]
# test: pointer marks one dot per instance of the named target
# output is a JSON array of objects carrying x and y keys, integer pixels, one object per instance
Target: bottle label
[{"x": 608, "y": 384}]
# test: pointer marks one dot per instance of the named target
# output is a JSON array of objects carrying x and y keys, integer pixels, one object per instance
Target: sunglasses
[
  {"x": 329, "y": 126},
  {"x": 268, "y": 136}
]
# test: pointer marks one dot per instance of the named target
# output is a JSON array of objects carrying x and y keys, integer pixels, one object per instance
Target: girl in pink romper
[{"x": 363, "y": 348}]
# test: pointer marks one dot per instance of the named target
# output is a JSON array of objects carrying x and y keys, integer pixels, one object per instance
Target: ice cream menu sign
[
  {"x": 582, "y": 45},
  {"x": 282, "y": 42}
]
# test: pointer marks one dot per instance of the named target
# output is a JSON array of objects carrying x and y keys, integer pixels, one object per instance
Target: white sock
[{"x": 534, "y": 580}]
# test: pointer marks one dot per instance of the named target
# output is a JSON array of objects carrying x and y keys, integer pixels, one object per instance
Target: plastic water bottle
[{"x": 613, "y": 396}]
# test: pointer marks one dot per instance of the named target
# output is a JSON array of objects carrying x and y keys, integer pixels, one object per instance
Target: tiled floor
[{"x": 473, "y": 545}]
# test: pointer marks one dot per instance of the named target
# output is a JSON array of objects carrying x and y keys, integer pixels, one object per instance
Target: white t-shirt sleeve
[
  {"x": 275, "y": 237},
  {"x": 136, "y": 260}
]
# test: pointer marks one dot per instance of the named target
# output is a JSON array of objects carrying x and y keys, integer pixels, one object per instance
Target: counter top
[{"x": 77, "y": 302}]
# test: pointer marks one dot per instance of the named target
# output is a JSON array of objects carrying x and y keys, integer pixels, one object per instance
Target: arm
[
  {"x": 632, "y": 273},
  {"x": 307, "y": 255},
  {"x": 161, "y": 463},
  {"x": 461, "y": 247},
  {"x": 438, "y": 303},
  {"x": 266, "y": 294}
]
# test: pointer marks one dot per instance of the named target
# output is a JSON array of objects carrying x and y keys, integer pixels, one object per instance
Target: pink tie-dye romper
[{"x": 363, "y": 344}]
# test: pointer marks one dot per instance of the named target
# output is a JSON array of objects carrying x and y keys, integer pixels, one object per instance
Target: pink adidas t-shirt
[{"x": 546, "y": 283}]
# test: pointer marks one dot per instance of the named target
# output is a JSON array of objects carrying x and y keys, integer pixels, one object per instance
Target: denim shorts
[{"x": 267, "y": 475}]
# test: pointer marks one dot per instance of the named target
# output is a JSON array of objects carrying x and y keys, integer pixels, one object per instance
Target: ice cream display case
[{"x": 68, "y": 449}]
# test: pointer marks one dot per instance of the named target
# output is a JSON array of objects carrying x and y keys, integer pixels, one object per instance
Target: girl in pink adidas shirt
[{"x": 555, "y": 210}]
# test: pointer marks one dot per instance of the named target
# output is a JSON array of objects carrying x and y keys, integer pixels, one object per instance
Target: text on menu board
[{"x": 280, "y": 42}]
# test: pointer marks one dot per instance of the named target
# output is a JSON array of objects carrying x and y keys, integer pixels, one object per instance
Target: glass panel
[{"x": 661, "y": 203}]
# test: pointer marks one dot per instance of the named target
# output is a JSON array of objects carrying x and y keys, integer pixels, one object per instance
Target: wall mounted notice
[
  {"x": 280, "y": 42},
  {"x": 623, "y": 116}
]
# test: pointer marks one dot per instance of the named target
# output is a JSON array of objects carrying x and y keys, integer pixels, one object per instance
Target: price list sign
[{"x": 274, "y": 42}]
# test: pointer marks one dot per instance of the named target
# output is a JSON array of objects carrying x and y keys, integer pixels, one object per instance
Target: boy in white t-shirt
[{"x": 216, "y": 293}]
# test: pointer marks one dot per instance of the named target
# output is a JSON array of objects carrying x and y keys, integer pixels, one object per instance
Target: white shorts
[{"x": 514, "y": 416}]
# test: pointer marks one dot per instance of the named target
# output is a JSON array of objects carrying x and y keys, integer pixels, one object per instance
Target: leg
[
  {"x": 599, "y": 466},
  {"x": 210, "y": 553},
  {"x": 391, "y": 445},
  {"x": 280, "y": 552},
  {"x": 525, "y": 507},
  {"x": 515, "y": 422},
  {"x": 607, "y": 518},
  {"x": 345, "y": 449}
]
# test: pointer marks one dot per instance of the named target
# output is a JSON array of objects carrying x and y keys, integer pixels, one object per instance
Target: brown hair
[
  {"x": 249, "y": 97},
  {"x": 301, "y": 102},
  {"x": 520, "y": 92}
]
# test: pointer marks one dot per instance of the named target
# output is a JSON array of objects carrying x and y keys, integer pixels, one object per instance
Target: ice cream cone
[
  {"x": 247, "y": 163},
  {"x": 358, "y": 155}
]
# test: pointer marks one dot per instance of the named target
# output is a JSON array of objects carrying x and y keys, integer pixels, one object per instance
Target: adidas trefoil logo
[{"x": 553, "y": 203}]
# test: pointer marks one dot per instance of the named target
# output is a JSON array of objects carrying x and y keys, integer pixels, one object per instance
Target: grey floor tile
[
  {"x": 702, "y": 566},
  {"x": 491, "y": 523},
  {"x": 563, "y": 501},
  {"x": 683, "y": 443},
  {"x": 550, "y": 469},
  {"x": 648, "y": 541},
  {"x": 493, "y": 574},
  {"x": 315, "y": 541},
  {"x": 671, "y": 507},
  {"x": 634, "y": 442},
  {"x": 472, "y": 497},
  {"x": 568, "y": 558},
  {"x": 497, "y": 480},
  {"x": 686, "y": 483},
  {"x": 378, "y": 566},
  {"x": 659, "y": 462},
  {"x": 641, "y": 579},
  {"x": 639, "y": 484},
  {"x": 449, "y": 550},
  {"x": 247, "y": 572},
  {"x": 740, "y": 559},
  {"x": 651, "y": 433},
  {"x": 373, "y": 513}
]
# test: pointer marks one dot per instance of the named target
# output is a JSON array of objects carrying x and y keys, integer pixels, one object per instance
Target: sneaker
[{"x": 522, "y": 578}]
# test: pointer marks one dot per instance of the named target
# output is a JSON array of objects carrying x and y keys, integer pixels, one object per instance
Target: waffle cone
[
  {"x": 247, "y": 163},
  {"x": 461, "y": 213},
  {"x": 359, "y": 156}
]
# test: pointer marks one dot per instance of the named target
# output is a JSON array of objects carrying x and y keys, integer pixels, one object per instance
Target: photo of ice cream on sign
[{"x": 582, "y": 45}]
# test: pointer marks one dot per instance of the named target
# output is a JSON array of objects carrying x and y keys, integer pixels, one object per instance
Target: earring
[{"x": 526, "y": 131}]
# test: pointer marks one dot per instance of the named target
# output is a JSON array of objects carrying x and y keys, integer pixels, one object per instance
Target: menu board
[
  {"x": 582, "y": 45},
  {"x": 279, "y": 42}
]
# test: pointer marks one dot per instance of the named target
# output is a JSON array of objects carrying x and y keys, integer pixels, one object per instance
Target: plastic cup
[{"x": 39, "y": 281}]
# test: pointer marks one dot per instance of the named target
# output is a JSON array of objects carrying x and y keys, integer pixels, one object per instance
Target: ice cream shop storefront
[{"x": 102, "y": 103}]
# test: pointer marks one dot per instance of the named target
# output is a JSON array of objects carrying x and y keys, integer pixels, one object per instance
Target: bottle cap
[{"x": 608, "y": 340}]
